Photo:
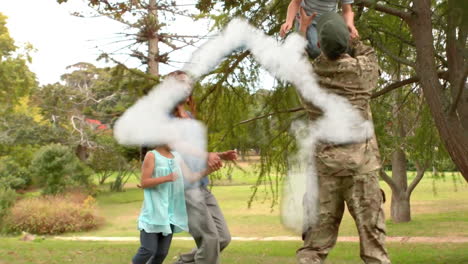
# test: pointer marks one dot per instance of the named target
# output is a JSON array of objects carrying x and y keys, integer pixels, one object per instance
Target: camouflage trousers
[{"x": 364, "y": 199}]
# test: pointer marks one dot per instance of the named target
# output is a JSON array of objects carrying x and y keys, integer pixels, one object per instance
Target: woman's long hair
[{"x": 190, "y": 101}]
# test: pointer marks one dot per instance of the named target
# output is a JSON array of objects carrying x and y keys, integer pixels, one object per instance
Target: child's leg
[
  {"x": 149, "y": 244},
  {"x": 164, "y": 242},
  {"x": 312, "y": 39}
]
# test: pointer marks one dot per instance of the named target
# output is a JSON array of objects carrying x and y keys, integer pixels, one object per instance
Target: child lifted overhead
[{"x": 313, "y": 9}]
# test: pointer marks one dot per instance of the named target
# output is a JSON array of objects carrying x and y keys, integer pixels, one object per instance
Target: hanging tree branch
[
  {"x": 393, "y": 56},
  {"x": 384, "y": 8},
  {"x": 225, "y": 76},
  {"x": 393, "y": 34},
  {"x": 398, "y": 84},
  {"x": 133, "y": 71},
  {"x": 292, "y": 110}
]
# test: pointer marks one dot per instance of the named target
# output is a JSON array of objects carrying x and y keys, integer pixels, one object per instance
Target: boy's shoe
[
  {"x": 149, "y": 260},
  {"x": 187, "y": 258},
  {"x": 307, "y": 258}
]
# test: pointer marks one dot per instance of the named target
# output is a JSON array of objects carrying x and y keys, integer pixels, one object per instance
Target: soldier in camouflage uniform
[{"x": 347, "y": 173}]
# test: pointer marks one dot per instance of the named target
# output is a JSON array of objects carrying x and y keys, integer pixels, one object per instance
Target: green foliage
[
  {"x": 123, "y": 175},
  {"x": 124, "y": 171},
  {"x": 21, "y": 130},
  {"x": 16, "y": 80},
  {"x": 110, "y": 158},
  {"x": 105, "y": 159},
  {"x": 7, "y": 199},
  {"x": 88, "y": 92},
  {"x": 21, "y": 154},
  {"x": 52, "y": 215},
  {"x": 12, "y": 174},
  {"x": 232, "y": 95},
  {"x": 402, "y": 118},
  {"x": 57, "y": 169}
]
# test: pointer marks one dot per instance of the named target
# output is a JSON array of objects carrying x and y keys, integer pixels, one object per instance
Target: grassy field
[
  {"x": 439, "y": 209},
  {"x": 49, "y": 251},
  {"x": 443, "y": 212}
]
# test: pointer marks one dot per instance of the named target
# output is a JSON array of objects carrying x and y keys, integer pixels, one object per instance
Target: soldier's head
[{"x": 333, "y": 35}]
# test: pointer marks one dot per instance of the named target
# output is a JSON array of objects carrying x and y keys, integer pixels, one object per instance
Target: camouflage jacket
[{"x": 353, "y": 77}]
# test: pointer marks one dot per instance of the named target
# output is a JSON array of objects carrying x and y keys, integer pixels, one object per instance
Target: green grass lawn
[
  {"x": 443, "y": 212},
  {"x": 48, "y": 251},
  {"x": 440, "y": 213}
]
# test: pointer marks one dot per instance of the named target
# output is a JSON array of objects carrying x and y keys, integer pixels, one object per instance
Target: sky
[{"x": 61, "y": 39}]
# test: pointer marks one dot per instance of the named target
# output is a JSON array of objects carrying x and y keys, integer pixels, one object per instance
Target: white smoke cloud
[
  {"x": 341, "y": 123},
  {"x": 148, "y": 120},
  {"x": 300, "y": 192}
]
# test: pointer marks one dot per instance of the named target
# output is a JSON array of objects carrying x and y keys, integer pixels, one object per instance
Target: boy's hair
[{"x": 333, "y": 35}]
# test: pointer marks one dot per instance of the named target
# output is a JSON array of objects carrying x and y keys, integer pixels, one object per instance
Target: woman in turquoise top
[{"x": 163, "y": 212}]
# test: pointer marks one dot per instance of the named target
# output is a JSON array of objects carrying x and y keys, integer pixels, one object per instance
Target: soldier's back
[{"x": 353, "y": 78}]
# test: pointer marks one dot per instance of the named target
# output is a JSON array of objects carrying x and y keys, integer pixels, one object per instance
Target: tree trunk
[
  {"x": 153, "y": 54},
  {"x": 400, "y": 206},
  {"x": 457, "y": 20},
  {"x": 81, "y": 152},
  {"x": 153, "y": 41},
  {"x": 462, "y": 108},
  {"x": 454, "y": 136}
]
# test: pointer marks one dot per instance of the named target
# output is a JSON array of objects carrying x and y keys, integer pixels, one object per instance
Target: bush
[
  {"x": 109, "y": 157},
  {"x": 57, "y": 169},
  {"x": 12, "y": 174},
  {"x": 124, "y": 172},
  {"x": 22, "y": 154},
  {"x": 53, "y": 215},
  {"x": 105, "y": 162},
  {"x": 7, "y": 199}
]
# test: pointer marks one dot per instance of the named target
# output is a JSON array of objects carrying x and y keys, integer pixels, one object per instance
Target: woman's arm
[{"x": 147, "y": 170}]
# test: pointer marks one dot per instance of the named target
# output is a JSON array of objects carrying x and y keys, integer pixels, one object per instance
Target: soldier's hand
[
  {"x": 214, "y": 161},
  {"x": 305, "y": 20},
  {"x": 228, "y": 155}
]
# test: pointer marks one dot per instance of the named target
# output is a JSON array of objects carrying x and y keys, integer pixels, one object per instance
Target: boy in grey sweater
[{"x": 313, "y": 9}]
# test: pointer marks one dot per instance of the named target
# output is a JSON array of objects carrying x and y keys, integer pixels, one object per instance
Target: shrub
[
  {"x": 105, "y": 163},
  {"x": 53, "y": 215},
  {"x": 109, "y": 157},
  {"x": 124, "y": 172},
  {"x": 57, "y": 169},
  {"x": 22, "y": 154},
  {"x": 12, "y": 174},
  {"x": 7, "y": 199}
]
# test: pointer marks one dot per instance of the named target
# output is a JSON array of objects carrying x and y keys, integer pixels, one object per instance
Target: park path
[{"x": 279, "y": 238}]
